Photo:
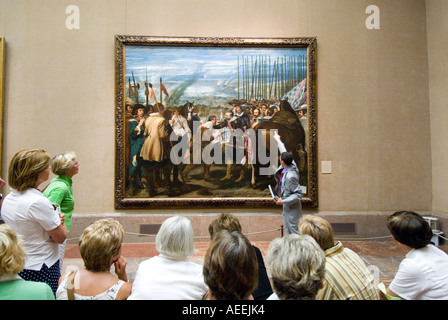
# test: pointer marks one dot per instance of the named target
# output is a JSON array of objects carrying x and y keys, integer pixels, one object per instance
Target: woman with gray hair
[
  {"x": 170, "y": 275},
  {"x": 297, "y": 266},
  {"x": 60, "y": 192}
]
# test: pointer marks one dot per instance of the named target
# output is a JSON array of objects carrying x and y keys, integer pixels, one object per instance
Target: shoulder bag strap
[{"x": 70, "y": 285}]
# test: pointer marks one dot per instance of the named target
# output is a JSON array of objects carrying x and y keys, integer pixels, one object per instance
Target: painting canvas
[{"x": 196, "y": 119}]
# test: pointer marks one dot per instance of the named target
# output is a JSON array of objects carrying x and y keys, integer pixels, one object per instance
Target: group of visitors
[{"x": 304, "y": 265}]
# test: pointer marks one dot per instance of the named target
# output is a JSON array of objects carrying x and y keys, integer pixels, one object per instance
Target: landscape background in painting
[{"x": 215, "y": 76}]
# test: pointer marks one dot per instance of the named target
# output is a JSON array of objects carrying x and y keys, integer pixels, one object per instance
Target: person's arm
[
  {"x": 281, "y": 145},
  {"x": 59, "y": 234},
  {"x": 124, "y": 292},
  {"x": 409, "y": 281},
  {"x": 391, "y": 293},
  {"x": 52, "y": 222},
  {"x": 56, "y": 195},
  {"x": 120, "y": 268}
]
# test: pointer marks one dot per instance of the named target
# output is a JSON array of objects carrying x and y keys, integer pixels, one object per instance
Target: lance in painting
[
  {"x": 147, "y": 88},
  {"x": 131, "y": 91},
  {"x": 136, "y": 87}
]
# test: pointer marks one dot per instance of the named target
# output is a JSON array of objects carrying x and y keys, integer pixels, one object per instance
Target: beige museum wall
[
  {"x": 372, "y": 97},
  {"x": 437, "y": 25}
]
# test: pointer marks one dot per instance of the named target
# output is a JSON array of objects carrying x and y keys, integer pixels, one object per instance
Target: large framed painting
[{"x": 200, "y": 122}]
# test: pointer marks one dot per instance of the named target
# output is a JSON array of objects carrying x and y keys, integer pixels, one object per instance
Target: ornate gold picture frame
[
  {"x": 2, "y": 88},
  {"x": 217, "y": 86}
]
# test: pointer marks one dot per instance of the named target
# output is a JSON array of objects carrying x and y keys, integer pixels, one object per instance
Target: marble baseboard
[{"x": 366, "y": 226}]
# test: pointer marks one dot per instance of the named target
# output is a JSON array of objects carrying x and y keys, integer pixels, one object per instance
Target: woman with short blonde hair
[
  {"x": 12, "y": 260},
  {"x": 319, "y": 229},
  {"x": 224, "y": 221},
  {"x": 100, "y": 248},
  {"x": 33, "y": 217},
  {"x": 346, "y": 275},
  {"x": 25, "y": 167},
  {"x": 12, "y": 256},
  {"x": 100, "y": 242}
]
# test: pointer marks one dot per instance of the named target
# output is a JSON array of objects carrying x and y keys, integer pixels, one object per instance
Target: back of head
[
  {"x": 410, "y": 229},
  {"x": 319, "y": 229},
  {"x": 287, "y": 157},
  {"x": 62, "y": 162},
  {"x": 100, "y": 242},
  {"x": 230, "y": 266},
  {"x": 224, "y": 221},
  {"x": 25, "y": 167},
  {"x": 297, "y": 265},
  {"x": 175, "y": 237},
  {"x": 12, "y": 256},
  {"x": 155, "y": 108}
]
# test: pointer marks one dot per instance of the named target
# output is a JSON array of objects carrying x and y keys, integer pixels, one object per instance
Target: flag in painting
[
  {"x": 151, "y": 93},
  {"x": 296, "y": 96},
  {"x": 162, "y": 88}
]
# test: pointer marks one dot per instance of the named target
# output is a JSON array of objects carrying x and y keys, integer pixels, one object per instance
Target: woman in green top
[{"x": 60, "y": 192}]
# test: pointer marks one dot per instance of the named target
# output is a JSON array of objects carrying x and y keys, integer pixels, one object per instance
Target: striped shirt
[{"x": 346, "y": 276}]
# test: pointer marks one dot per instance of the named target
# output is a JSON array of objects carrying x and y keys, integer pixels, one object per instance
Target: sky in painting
[{"x": 202, "y": 74}]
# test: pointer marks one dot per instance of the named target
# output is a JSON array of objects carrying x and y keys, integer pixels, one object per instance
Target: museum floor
[{"x": 384, "y": 257}]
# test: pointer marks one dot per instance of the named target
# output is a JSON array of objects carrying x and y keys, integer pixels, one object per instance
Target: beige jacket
[{"x": 155, "y": 131}]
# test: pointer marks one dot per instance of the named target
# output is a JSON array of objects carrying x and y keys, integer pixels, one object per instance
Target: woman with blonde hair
[
  {"x": 12, "y": 260},
  {"x": 60, "y": 192},
  {"x": 100, "y": 248},
  {"x": 33, "y": 217},
  {"x": 346, "y": 274}
]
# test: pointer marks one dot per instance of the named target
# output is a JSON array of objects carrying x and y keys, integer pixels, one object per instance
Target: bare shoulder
[{"x": 125, "y": 291}]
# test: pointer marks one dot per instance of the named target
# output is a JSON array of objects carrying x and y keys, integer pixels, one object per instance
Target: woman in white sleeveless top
[{"x": 100, "y": 248}]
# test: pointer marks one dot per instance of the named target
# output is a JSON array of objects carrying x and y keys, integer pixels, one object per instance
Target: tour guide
[{"x": 288, "y": 189}]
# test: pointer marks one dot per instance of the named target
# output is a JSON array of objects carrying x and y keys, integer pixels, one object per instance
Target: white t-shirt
[
  {"x": 166, "y": 278},
  {"x": 31, "y": 215},
  {"x": 422, "y": 275}
]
